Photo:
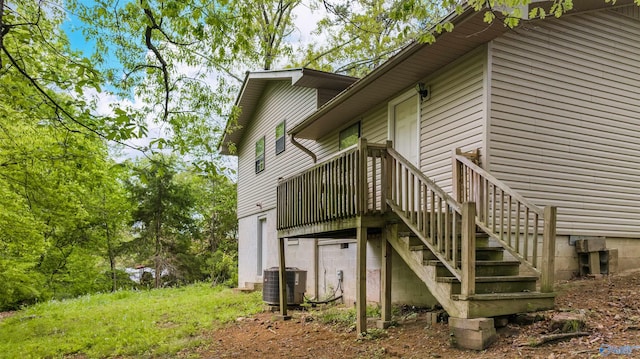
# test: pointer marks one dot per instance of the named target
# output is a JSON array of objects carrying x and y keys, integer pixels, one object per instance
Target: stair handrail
[
  {"x": 473, "y": 183},
  {"x": 432, "y": 185},
  {"x": 421, "y": 219},
  {"x": 460, "y": 157}
]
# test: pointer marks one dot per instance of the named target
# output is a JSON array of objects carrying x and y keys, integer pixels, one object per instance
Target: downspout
[{"x": 304, "y": 149}]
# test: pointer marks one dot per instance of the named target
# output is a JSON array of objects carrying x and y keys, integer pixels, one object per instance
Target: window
[
  {"x": 260, "y": 155},
  {"x": 280, "y": 138},
  {"x": 349, "y": 136}
]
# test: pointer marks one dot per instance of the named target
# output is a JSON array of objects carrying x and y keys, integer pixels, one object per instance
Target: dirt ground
[{"x": 610, "y": 305}]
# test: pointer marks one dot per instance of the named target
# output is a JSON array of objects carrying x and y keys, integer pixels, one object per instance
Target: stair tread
[
  {"x": 506, "y": 278},
  {"x": 434, "y": 262},
  {"x": 419, "y": 247},
  {"x": 510, "y": 295}
]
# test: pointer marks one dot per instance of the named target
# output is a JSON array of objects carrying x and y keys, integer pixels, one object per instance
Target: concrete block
[
  {"x": 476, "y": 334},
  {"x": 471, "y": 324},
  {"x": 594, "y": 263},
  {"x": 473, "y": 339},
  {"x": 432, "y": 318},
  {"x": 380, "y": 324},
  {"x": 595, "y": 244},
  {"x": 612, "y": 258}
]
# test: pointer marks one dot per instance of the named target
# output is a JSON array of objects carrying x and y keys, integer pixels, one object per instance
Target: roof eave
[
  {"x": 297, "y": 77},
  {"x": 377, "y": 72}
]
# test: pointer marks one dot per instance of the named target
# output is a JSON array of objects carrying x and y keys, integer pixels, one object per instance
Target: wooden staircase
[
  {"x": 500, "y": 288},
  {"x": 477, "y": 253},
  {"x": 484, "y": 251}
]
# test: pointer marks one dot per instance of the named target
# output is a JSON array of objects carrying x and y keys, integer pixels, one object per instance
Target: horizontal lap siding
[
  {"x": 565, "y": 119},
  {"x": 453, "y": 117},
  {"x": 280, "y": 101},
  {"x": 373, "y": 127}
]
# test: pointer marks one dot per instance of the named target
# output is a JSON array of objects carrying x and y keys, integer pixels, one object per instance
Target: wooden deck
[{"x": 373, "y": 186}]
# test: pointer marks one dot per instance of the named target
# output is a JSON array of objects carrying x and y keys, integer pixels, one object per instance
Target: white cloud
[{"x": 306, "y": 20}]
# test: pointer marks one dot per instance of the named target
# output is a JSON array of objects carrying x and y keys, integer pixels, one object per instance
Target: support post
[
  {"x": 390, "y": 231},
  {"x": 390, "y": 170},
  {"x": 363, "y": 188},
  {"x": 283, "y": 280},
  {"x": 468, "y": 255},
  {"x": 548, "y": 249},
  {"x": 361, "y": 278},
  {"x": 456, "y": 172},
  {"x": 316, "y": 275}
]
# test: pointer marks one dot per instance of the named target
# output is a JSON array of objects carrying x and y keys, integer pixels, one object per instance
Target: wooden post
[
  {"x": 480, "y": 195},
  {"x": 361, "y": 278},
  {"x": 390, "y": 171},
  {"x": 283, "y": 280},
  {"x": 391, "y": 231},
  {"x": 468, "y": 254},
  {"x": 548, "y": 249},
  {"x": 363, "y": 188},
  {"x": 316, "y": 268},
  {"x": 456, "y": 176}
]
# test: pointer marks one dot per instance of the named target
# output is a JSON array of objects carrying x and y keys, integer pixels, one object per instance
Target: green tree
[
  {"x": 164, "y": 217},
  {"x": 111, "y": 210},
  {"x": 362, "y": 34},
  {"x": 48, "y": 180},
  {"x": 35, "y": 54},
  {"x": 218, "y": 247}
]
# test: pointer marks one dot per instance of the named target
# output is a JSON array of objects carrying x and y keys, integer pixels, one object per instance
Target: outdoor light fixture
[{"x": 423, "y": 90}]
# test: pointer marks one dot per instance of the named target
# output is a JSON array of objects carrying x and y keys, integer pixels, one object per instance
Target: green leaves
[{"x": 364, "y": 33}]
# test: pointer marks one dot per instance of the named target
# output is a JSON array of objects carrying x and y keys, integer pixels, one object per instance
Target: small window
[
  {"x": 280, "y": 138},
  {"x": 349, "y": 136},
  {"x": 260, "y": 155}
]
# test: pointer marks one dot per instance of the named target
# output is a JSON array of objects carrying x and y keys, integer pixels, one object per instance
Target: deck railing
[
  {"x": 430, "y": 212},
  {"x": 348, "y": 184},
  {"x": 519, "y": 225},
  {"x": 368, "y": 178}
]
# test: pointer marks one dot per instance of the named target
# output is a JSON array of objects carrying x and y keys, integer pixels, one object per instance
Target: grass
[
  {"x": 156, "y": 323},
  {"x": 342, "y": 316}
]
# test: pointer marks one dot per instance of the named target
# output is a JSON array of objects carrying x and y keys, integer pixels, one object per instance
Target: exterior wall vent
[{"x": 296, "y": 280}]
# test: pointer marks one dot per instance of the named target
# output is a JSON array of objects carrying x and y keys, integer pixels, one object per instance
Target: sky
[{"x": 305, "y": 21}]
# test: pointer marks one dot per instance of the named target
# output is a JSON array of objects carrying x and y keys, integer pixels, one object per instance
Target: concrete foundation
[{"x": 476, "y": 334}]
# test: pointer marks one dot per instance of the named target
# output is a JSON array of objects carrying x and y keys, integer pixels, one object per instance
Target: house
[
  {"x": 272, "y": 102},
  {"x": 480, "y": 159}
]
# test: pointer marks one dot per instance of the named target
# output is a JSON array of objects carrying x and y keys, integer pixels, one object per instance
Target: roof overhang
[
  {"x": 253, "y": 87},
  {"x": 413, "y": 64}
]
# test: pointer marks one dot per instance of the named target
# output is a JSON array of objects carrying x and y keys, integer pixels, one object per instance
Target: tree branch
[
  {"x": 55, "y": 103},
  {"x": 158, "y": 55},
  {"x": 323, "y": 54}
]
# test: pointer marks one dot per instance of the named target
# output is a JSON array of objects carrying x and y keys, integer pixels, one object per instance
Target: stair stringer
[{"x": 426, "y": 273}]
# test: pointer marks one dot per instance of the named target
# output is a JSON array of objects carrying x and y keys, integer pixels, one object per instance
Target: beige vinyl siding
[
  {"x": 280, "y": 101},
  {"x": 373, "y": 127},
  {"x": 453, "y": 116},
  {"x": 565, "y": 119}
]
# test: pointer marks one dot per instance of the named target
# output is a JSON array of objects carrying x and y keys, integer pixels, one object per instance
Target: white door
[
  {"x": 404, "y": 119},
  {"x": 405, "y": 128},
  {"x": 260, "y": 245}
]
